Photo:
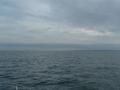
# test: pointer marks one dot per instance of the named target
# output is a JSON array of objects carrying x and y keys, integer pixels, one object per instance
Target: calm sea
[{"x": 60, "y": 70}]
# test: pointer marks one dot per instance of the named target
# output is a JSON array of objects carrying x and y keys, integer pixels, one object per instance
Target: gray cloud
[
  {"x": 60, "y": 21},
  {"x": 97, "y": 14},
  {"x": 100, "y": 14}
]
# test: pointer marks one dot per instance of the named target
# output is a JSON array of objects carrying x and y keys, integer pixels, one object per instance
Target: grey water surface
[{"x": 60, "y": 70}]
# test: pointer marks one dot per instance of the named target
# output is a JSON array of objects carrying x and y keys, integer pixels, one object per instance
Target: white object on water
[{"x": 16, "y": 88}]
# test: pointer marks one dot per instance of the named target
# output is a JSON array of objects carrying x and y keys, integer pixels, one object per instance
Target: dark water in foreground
[{"x": 60, "y": 70}]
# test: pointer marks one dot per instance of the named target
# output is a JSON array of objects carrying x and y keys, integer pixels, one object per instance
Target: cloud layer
[{"x": 60, "y": 21}]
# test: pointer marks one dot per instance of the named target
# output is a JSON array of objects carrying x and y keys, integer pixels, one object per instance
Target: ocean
[{"x": 60, "y": 70}]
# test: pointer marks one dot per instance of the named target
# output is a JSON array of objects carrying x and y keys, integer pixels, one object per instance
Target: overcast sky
[{"x": 60, "y": 21}]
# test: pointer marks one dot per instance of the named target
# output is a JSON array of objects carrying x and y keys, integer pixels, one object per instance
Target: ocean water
[{"x": 60, "y": 70}]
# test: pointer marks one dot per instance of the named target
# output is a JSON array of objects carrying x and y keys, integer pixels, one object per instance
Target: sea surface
[{"x": 60, "y": 70}]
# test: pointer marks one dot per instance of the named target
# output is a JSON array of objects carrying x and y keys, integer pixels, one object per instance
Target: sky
[{"x": 60, "y": 21}]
